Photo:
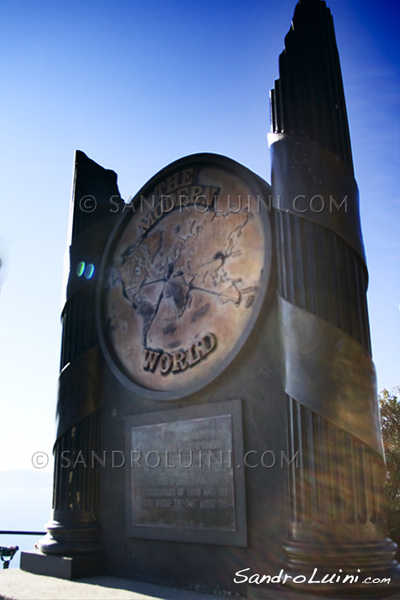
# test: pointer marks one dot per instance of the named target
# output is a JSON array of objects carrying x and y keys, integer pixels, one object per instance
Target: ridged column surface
[
  {"x": 74, "y": 529},
  {"x": 336, "y": 491}
]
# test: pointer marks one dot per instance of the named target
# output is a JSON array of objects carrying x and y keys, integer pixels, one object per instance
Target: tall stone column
[
  {"x": 336, "y": 517},
  {"x": 74, "y": 529}
]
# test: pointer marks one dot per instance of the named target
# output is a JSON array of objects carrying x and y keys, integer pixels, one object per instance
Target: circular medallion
[{"x": 184, "y": 276}]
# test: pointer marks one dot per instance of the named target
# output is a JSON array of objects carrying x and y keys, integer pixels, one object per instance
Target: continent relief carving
[{"x": 182, "y": 276}]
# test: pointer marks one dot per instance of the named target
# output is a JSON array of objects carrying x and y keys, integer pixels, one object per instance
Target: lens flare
[
  {"x": 89, "y": 271},
  {"x": 80, "y": 269}
]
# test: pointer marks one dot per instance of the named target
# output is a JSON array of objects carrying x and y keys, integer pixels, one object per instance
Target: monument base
[
  {"x": 359, "y": 570},
  {"x": 63, "y": 567}
]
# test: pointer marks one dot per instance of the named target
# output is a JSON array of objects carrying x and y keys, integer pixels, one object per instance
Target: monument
[{"x": 218, "y": 426}]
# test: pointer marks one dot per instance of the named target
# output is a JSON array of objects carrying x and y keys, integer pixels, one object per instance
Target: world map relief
[{"x": 162, "y": 273}]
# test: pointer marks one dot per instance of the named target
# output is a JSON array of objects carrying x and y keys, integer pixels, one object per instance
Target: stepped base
[{"x": 63, "y": 567}]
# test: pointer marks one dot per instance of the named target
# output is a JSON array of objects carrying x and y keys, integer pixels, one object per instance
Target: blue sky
[{"x": 135, "y": 85}]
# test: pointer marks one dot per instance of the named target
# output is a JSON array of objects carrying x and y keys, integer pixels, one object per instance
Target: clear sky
[{"x": 136, "y": 84}]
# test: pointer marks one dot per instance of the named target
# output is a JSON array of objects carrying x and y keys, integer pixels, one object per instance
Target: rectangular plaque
[{"x": 183, "y": 485}]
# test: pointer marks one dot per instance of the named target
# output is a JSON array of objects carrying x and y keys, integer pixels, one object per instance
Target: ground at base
[{"x": 21, "y": 585}]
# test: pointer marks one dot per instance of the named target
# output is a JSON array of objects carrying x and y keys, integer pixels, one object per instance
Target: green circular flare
[{"x": 80, "y": 269}]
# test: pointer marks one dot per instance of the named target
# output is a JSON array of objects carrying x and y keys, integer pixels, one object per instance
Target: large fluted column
[
  {"x": 336, "y": 517},
  {"x": 74, "y": 528}
]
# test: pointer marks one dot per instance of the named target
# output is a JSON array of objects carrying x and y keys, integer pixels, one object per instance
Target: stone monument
[{"x": 218, "y": 421}]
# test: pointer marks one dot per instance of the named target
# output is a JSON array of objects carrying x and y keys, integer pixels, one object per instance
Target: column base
[
  {"x": 71, "y": 538},
  {"x": 364, "y": 570}
]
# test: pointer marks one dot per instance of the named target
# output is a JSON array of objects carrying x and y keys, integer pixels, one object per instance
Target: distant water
[{"x": 25, "y": 505}]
